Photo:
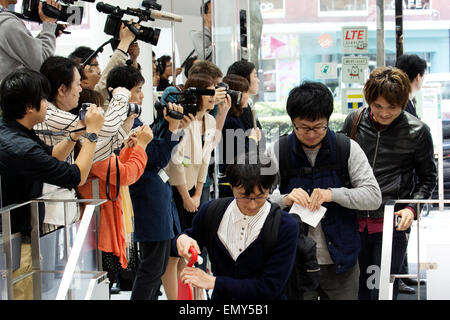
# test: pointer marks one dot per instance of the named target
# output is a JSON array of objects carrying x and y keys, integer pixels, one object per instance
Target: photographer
[
  {"x": 155, "y": 214},
  {"x": 92, "y": 76},
  {"x": 188, "y": 167},
  {"x": 26, "y": 162},
  {"x": 165, "y": 72},
  {"x": 18, "y": 47},
  {"x": 65, "y": 78}
]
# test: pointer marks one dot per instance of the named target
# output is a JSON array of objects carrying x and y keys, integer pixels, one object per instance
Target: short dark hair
[
  {"x": 390, "y": 83},
  {"x": 199, "y": 81},
  {"x": 162, "y": 62},
  {"x": 242, "y": 68},
  {"x": 412, "y": 65},
  {"x": 246, "y": 172},
  {"x": 124, "y": 76},
  {"x": 310, "y": 101},
  {"x": 206, "y": 67},
  {"x": 80, "y": 54},
  {"x": 236, "y": 83},
  {"x": 59, "y": 71},
  {"x": 188, "y": 64},
  {"x": 21, "y": 89}
]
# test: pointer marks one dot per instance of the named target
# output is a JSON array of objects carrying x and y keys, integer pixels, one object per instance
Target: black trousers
[
  {"x": 370, "y": 255},
  {"x": 153, "y": 260}
]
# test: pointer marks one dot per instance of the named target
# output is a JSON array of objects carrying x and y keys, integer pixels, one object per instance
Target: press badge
[{"x": 163, "y": 175}]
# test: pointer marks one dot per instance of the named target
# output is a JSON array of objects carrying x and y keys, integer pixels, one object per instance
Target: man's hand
[
  {"x": 126, "y": 37},
  {"x": 407, "y": 219},
  {"x": 297, "y": 195},
  {"x": 42, "y": 16},
  {"x": 198, "y": 278},
  {"x": 94, "y": 119},
  {"x": 319, "y": 196}
]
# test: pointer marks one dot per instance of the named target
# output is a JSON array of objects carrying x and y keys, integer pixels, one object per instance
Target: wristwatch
[{"x": 92, "y": 137}]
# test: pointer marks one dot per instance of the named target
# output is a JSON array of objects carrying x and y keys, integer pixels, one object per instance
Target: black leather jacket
[{"x": 397, "y": 153}]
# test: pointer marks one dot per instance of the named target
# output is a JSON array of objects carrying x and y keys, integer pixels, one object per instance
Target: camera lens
[{"x": 134, "y": 108}]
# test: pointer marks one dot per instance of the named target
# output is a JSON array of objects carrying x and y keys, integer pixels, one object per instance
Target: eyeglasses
[
  {"x": 306, "y": 129},
  {"x": 248, "y": 200}
]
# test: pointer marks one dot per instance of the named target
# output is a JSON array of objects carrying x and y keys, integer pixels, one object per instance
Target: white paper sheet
[{"x": 307, "y": 216}]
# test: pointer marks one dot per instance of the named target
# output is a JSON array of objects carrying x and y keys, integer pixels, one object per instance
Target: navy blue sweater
[{"x": 250, "y": 277}]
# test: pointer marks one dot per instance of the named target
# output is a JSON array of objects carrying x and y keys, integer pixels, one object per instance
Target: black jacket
[
  {"x": 25, "y": 164},
  {"x": 397, "y": 153}
]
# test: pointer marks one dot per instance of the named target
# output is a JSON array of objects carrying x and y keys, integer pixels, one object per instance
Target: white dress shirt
[{"x": 237, "y": 231}]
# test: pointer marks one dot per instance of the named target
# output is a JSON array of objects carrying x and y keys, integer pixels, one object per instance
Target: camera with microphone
[{"x": 115, "y": 20}]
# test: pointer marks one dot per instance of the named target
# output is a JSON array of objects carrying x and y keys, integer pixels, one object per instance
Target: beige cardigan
[{"x": 189, "y": 164}]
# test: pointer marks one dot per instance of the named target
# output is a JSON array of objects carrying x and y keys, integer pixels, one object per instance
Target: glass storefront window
[{"x": 309, "y": 34}]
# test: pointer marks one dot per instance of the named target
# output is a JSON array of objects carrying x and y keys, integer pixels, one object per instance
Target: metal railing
[
  {"x": 73, "y": 253},
  {"x": 387, "y": 279}
]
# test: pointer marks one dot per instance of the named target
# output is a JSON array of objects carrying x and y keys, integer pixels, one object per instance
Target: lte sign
[{"x": 355, "y": 40}]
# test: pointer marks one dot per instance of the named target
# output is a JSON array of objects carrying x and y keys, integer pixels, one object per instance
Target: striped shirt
[
  {"x": 237, "y": 231},
  {"x": 110, "y": 137}
]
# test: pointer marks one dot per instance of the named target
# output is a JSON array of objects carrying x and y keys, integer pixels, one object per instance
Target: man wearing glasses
[
  {"x": 313, "y": 179},
  {"x": 243, "y": 268}
]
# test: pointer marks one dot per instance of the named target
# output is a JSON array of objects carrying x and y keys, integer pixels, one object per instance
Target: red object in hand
[{"x": 185, "y": 290}]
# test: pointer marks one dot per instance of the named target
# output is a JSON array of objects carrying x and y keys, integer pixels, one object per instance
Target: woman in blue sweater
[{"x": 241, "y": 268}]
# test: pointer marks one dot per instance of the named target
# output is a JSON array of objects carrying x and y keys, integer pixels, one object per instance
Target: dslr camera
[
  {"x": 236, "y": 96},
  {"x": 114, "y": 21},
  {"x": 133, "y": 108},
  {"x": 70, "y": 14}
]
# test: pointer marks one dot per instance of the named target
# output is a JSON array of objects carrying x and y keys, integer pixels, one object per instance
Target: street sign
[
  {"x": 355, "y": 40},
  {"x": 355, "y": 69},
  {"x": 325, "y": 70}
]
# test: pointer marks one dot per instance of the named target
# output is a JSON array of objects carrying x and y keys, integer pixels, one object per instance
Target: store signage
[
  {"x": 352, "y": 98},
  {"x": 355, "y": 69},
  {"x": 355, "y": 40},
  {"x": 325, "y": 70}
]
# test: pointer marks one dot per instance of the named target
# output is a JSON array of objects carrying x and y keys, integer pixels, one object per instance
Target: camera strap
[{"x": 108, "y": 173}]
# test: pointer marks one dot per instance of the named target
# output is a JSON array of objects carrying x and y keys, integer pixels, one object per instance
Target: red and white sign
[{"x": 355, "y": 40}]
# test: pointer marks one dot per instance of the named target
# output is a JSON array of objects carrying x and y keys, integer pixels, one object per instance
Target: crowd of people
[{"x": 65, "y": 123}]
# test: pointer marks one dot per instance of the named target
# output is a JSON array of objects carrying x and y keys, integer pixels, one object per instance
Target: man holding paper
[{"x": 324, "y": 173}]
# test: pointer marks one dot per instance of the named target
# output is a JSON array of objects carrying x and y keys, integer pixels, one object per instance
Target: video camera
[
  {"x": 115, "y": 15},
  {"x": 70, "y": 14},
  {"x": 133, "y": 108},
  {"x": 236, "y": 96},
  {"x": 189, "y": 101}
]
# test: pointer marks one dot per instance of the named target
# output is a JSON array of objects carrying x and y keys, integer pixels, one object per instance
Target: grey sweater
[{"x": 19, "y": 48}]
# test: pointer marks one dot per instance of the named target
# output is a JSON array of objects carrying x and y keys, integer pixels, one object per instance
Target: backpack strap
[
  {"x": 213, "y": 217},
  {"x": 342, "y": 155},
  {"x": 355, "y": 123},
  {"x": 270, "y": 230}
]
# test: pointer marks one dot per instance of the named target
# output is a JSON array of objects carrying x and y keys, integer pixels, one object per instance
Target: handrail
[
  {"x": 385, "y": 283},
  {"x": 6, "y": 236}
]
